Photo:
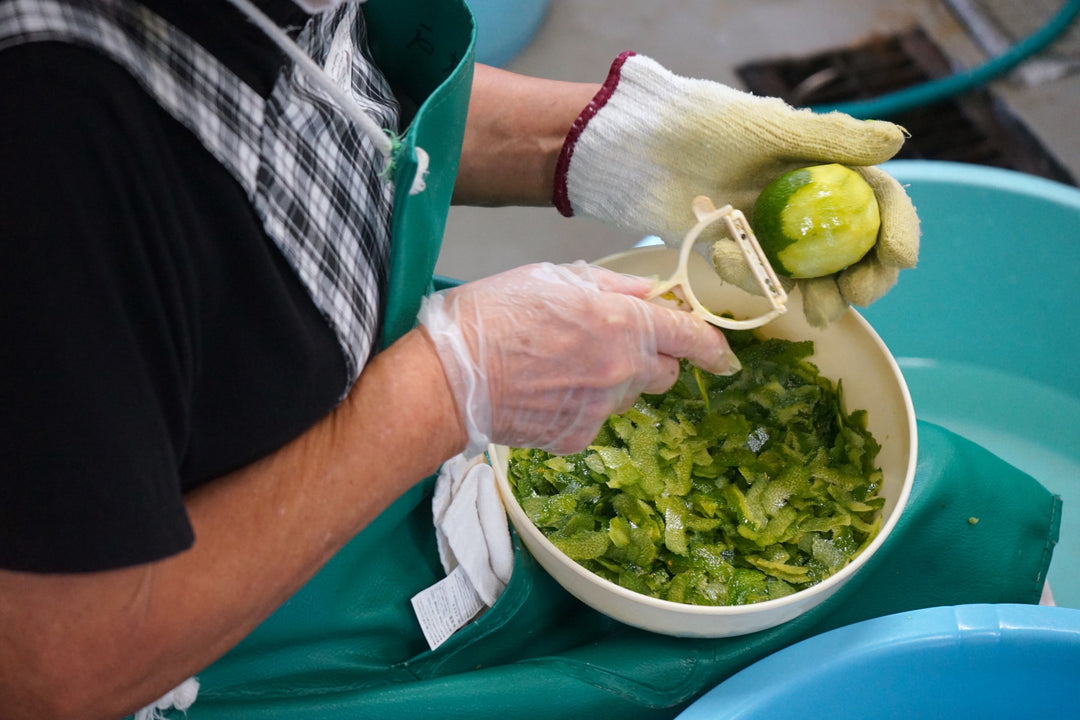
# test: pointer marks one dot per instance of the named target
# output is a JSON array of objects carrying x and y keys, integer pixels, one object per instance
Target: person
[{"x": 201, "y": 401}]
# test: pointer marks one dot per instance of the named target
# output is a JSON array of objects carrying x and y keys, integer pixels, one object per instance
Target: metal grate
[{"x": 974, "y": 128}]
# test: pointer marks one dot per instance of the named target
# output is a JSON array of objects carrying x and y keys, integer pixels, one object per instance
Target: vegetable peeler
[{"x": 739, "y": 229}]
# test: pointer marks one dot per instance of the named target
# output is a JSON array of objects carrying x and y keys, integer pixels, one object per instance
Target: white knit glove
[{"x": 651, "y": 141}]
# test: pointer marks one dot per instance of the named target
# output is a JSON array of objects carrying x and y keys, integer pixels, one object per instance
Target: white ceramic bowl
[{"x": 850, "y": 350}]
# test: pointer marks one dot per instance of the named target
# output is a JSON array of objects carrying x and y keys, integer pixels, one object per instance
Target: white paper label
[{"x": 446, "y": 606}]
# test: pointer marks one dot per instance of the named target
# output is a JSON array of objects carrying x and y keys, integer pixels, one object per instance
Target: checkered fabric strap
[{"x": 312, "y": 177}]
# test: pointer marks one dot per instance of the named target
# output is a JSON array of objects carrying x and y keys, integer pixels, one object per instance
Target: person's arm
[
  {"x": 522, "y": 358},
  {"x": 101, "y": 645},
  {"x": 513, "y": 135}
]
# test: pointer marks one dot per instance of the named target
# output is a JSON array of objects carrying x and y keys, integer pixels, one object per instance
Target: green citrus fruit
[{"x": 816, "y": 221}]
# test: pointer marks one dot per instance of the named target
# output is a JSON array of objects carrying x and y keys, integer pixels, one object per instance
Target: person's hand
[
  {"x": 541, "y": 355},
  {"x": 651, "y": 141}
]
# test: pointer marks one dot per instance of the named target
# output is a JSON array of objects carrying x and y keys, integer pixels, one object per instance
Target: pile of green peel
[{"x": 722, "y": 491}]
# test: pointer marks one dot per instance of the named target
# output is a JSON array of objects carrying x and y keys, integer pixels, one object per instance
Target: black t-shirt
[{"x": 152, "y": 338}]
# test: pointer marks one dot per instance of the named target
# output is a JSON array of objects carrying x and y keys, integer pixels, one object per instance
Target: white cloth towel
[
  {"x": 180, "y": 698},
  {"x": 470, "y": 526}
]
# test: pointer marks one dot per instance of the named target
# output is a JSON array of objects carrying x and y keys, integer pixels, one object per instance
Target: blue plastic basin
[
  {"x": 969, "y": 661},
  {"x": 987, "y": 327},
  {"x": 505, "y": 27}
]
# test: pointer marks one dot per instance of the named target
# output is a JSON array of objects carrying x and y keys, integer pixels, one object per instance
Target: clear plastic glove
[
  {"x": 541, "y": 355},
  {"x": 651, "y": 141}
]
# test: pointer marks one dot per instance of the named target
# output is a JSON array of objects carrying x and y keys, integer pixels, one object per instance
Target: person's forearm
[
  {"x": 104, "y": 644},
  {"x": 513, "y": 135}
]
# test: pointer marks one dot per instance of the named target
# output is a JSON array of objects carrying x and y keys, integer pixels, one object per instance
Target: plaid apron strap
[
  {"x": 319, "y": 189},
  {"x": 311, "y": 176}
]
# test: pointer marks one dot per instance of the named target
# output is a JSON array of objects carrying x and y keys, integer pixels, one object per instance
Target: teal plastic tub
[
  {"x": 987, "y": 328},
  {"x": 968, "y": 661}
]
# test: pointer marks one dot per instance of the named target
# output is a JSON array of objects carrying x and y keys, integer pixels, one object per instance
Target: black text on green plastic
[
  {"x": 816, "y": 221},
  {"x": 760, "y": 488}
]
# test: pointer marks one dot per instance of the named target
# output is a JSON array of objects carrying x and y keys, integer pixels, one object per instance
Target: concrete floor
[{"x": 577, "y": 40}]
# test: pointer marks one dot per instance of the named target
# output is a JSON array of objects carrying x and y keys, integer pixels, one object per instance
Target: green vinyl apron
[{"x": 347, "y": 645}]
